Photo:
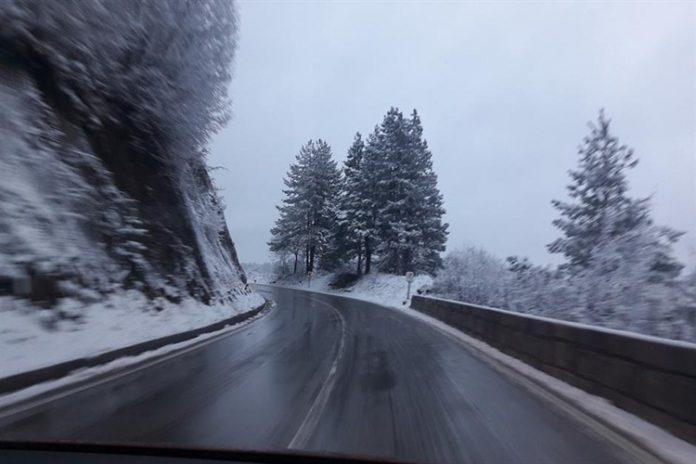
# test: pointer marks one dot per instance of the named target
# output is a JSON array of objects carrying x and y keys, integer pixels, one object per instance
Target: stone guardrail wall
[{"x": 647, "y": 376}]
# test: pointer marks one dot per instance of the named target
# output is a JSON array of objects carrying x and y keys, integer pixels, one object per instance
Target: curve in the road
[{"x": 327, "y": 374}]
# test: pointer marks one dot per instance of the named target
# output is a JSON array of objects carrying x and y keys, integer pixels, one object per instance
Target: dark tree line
[{"x": 382, "y": 208}]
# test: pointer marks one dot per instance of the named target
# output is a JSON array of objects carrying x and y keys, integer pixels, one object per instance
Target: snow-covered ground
[
  {"x": 130, "y": 362},
  {"x": 385, "y": 289},
  {"x": 31, "y": 338}
]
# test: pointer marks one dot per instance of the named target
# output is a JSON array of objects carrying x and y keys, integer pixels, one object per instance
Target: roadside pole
[
  {"x": 309, "y": 279},
  {"x": 409, "y": 279}
]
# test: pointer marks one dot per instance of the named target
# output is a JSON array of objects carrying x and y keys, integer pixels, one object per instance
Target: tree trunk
[
  {"x": 360, "y": 262},
  {"x": 294, "y": 266},
  {"x": 306, "y": 259},
  {"x": 310, "y": 267},
  {"x": 368, "y": 255}
]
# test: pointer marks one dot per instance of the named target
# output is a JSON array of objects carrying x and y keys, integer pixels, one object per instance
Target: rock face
[{"x": 88, "y": 210}]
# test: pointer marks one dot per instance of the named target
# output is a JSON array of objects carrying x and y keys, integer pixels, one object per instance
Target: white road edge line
[
  {"x": 304, "y": 432},
  {"x": 46, "y": 396}
]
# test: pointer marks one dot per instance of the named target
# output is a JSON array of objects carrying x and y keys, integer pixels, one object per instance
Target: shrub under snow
[{"x": 473, "y": 275}]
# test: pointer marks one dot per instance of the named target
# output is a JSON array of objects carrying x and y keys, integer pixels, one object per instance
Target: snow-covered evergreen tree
[
  {"x": 353, "y": 221},
  {"x": 287, "y": 234},
  {"x": 430, "y": 209},
  {"x": 616, "y": 256},
  {"x": 402, "y": 192},
  {"x": 369, "y": 188},
  {"x": 308, "y": 213},
  {"x": 617, "y": 286},
  {"x": 600, "y": 208}
]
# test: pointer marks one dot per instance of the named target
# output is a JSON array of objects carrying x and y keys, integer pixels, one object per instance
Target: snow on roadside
[
  {"x": 384, "y": 289},
  {"x": 387, "y": 289},
  {"x": 11, "y": 399},
  {"x": 30, "y": 339}
]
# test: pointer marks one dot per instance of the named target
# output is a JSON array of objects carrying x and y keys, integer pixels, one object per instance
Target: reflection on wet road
[{"x": 332, "y": 374}]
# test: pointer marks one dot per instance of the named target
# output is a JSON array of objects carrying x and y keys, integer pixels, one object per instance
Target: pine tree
[
  {"x": 403, "y": 194},
  {"x": 396, "y": 182},
  {"x": 308, "y": 214},
  {"x": 287, "y": 235},
  {"x": 322, "y": 192},
  {"x": 601, "y": 210},
  {"x": 370, "y": 190},
  {"x": 599, "y": 188},
  {"x": 430, "y": 209},
  {"x": 353, "y": 222}
]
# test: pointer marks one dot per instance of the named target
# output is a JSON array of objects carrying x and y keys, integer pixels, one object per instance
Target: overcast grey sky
[{"x": 504, "y": 92}]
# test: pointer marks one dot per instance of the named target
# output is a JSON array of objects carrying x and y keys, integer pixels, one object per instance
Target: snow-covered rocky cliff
[{"x": 105, "y": 111}]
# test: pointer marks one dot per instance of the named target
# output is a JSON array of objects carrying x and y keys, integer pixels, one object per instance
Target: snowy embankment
[
  {"x": 384, "y": 289},
  {"x": 111, "y": 230},
  {"x": 49, "y": 215},
  {"x": 31, "y": 338}
]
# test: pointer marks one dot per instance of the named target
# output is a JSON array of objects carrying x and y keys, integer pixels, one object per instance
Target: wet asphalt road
[{"x": 325, "y": 373}]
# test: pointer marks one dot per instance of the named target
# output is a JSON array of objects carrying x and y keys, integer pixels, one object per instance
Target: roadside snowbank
[
  {"x": 132, "y": 363},
  {"x": 385, "y": 289},
  {"x": 31, "y": 338}
]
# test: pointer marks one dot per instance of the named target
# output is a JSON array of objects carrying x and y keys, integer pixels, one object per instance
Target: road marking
[
  {"x": 101, "y": 378},
  {"x": 304, "y": 432}
]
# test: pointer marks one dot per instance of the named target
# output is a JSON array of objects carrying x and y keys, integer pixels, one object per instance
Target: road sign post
[{"x": 409, "y": 279}]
